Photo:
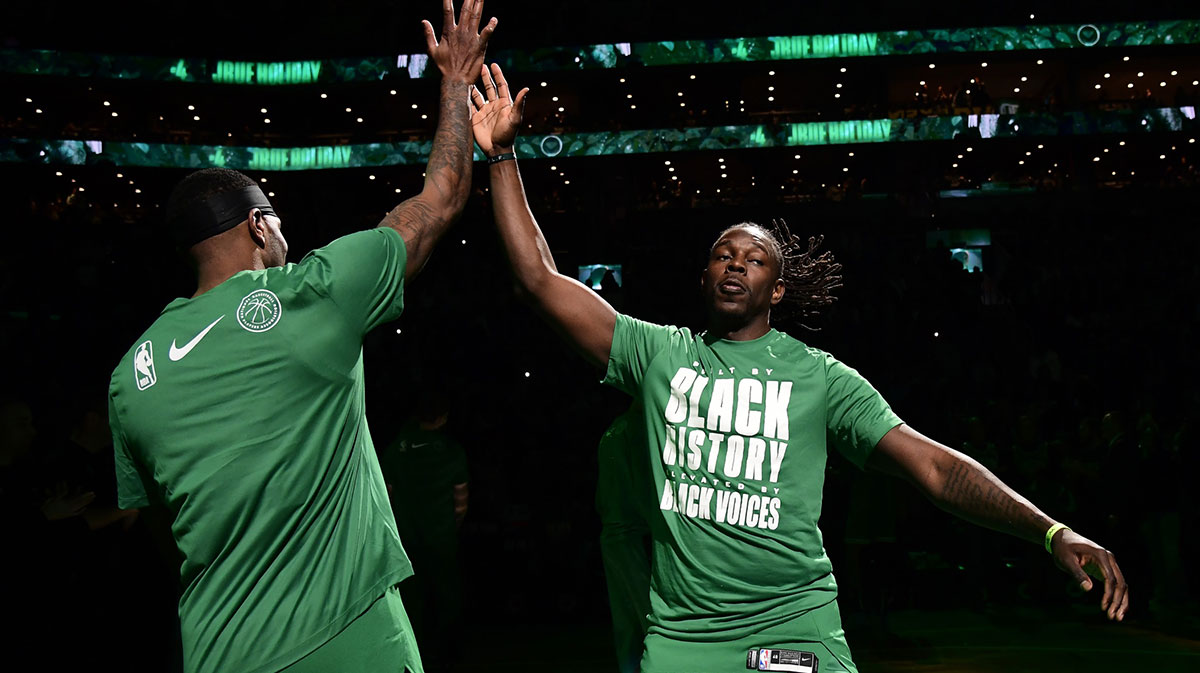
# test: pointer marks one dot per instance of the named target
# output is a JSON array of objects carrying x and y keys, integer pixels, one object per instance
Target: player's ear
[
  {"x": 778, "y": 292},
  {"x": 257, "y": 226}
]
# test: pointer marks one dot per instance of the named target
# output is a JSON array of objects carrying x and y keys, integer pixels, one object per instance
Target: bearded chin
[{"x": 723, "y": 310}]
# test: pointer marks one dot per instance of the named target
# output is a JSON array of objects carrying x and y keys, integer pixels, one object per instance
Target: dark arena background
[{"x": 1011, "y": 188}]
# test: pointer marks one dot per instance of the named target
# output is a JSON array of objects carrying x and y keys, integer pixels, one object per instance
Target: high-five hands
[
  {"x": 459, "y": 54},
  {"x": 497, "y": 117}
]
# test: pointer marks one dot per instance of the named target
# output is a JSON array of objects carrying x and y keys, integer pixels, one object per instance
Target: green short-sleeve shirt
[
  {"x": 737, "y": 436},
  {"x": 242, "y": 410}
]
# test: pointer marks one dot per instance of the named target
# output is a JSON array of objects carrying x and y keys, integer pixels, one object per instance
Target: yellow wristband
[{"x": 1050, "y": 535}]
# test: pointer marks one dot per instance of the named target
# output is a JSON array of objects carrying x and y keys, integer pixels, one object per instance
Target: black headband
[{"x": 216, "y": 214}]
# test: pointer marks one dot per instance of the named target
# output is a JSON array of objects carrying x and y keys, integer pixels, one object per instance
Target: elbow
[
  {"x": 948, "y": 475},
  {"x": 448, "y": 213},
  {"x": 528, "y": 284},
  {"x": 456, "y": 203},
  {"x": 445, "y": 202},
  {"x": 522, "y": 292},
  {"x": 932, "y": 481}
]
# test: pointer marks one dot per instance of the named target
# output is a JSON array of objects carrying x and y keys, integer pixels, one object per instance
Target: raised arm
[
  {"x": 423, "y": 219},
  {"x": 960, "y": 485},
  {"x": 582, "y": 316}
]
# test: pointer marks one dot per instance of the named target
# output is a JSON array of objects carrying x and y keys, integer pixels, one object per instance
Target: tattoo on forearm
[
  {"x": 450, "y": 157},
  {"x": 978, "y": 495},
  {"x": 421, "y": 221}
]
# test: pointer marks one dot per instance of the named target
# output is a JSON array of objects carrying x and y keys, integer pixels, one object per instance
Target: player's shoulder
[
  {"x": 683, "y": 333},
  {"x": 673, "y": 333},
  {"x": 783, "y": 340},
  {"x": 799, "y": 352},
  {"x": 161, "y": 322},
  {"x": 181, "y": 319},
  {"x": 350, "y": 244},
  {"x": 136, "y": 366}
]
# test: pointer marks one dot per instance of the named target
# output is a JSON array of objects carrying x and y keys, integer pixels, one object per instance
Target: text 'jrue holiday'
[{"x": 741, "y": 435}]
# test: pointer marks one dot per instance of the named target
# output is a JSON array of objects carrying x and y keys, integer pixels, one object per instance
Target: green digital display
[
  {"x": 298, "y": 158},
  {"x": 241, "y": 72},
  {"x": 981, "y": 127},
  {"x": 616, "y": 55},
  {"x": 193, "y": 70},
  {"x": 855, "y": 131},
  {"x": 846, "y": 45}
]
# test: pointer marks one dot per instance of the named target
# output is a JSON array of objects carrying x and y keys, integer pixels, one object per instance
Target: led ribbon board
[
  {"x": 982, "y": 126},
  {"x": 851, "y": 45},
  {"x": 618, "y": 55},
  {"x": 193, "y": 70}
]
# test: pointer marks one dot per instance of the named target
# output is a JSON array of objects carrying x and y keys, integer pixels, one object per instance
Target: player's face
[{"x": 742, "y": 278}]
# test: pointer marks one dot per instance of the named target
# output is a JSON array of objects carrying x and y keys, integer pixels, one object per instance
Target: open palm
[{"x": 497, "y": 117}]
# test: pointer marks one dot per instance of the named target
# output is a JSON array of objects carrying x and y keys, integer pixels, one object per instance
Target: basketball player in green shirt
[
  {"x": 241, "y": 410},
  {"x": 737, "y": 421}
]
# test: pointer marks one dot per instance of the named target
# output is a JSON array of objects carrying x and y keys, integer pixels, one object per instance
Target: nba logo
[{"x": 143, "y": 366}]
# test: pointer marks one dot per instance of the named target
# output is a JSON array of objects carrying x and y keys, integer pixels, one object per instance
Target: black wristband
[{"x": 501, "y": 157}]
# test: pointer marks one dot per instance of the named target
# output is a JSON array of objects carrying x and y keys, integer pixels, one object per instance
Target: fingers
[
  {"x": 1115, "y": 601},
  {"x": 1109, "y": 588},
  {"x": 519, "y": 104},
  {"x": 430, "y": 37},
  {"x": 488, "y": 85},
  {"x": 501, "y": 83},
  {"x": 447, "y": 15},
  {"x": 1120, "y": 601},
  {"x": 477, "y": 98},
  {"x": 465, "y": 13},
  {"x": 486, "y": 33},
  {"x": 476, "y": 12},
  {"x": 1074, "y": 566}
]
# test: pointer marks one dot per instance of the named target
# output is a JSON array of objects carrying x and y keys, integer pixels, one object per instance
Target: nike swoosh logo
[{"x": 176, "y": 354}]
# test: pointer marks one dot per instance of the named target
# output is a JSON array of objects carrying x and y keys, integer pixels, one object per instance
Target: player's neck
[
  {"x": 213, "y": 272},
  {"x": 733, "y": 329}
]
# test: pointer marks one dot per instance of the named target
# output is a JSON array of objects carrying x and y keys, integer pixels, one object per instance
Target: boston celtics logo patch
[{"x": 259, "y": 311}]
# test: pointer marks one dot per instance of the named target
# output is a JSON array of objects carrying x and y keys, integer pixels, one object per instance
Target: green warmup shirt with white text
[
  {"x": 737, "y": 449},
  {"x": 242, "y": 410}
]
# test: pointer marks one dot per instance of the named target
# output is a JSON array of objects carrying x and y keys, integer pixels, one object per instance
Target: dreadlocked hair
[{"x": 808, "y": 277}]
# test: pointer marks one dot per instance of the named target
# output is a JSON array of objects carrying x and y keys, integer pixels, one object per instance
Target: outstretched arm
[
  {"x": 960, "y": 485},
  {"x": 423, "y": 219},
  {"x": 582, "y": 316}
]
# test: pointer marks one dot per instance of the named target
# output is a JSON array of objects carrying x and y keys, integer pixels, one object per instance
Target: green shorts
[
  {"x": 818, "y": 631},
  {"x": 379, "y": 640}
]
